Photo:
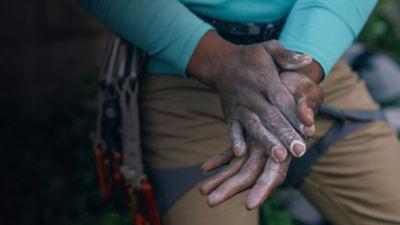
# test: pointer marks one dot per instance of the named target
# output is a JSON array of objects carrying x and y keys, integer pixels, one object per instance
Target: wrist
[
  {"x": 209, "y": 56},
  {"x": 314, "y": 71}
]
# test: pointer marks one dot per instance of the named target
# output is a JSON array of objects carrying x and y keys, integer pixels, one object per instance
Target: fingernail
[
  {"x": 302, "y": 57},
  {"x": 297, "y": 148},
  {"x": 279, "y": 153},
  {"x": 310, "y": 118},
  {"x": 309, "y": 131},
  {"x": 214, "y": 199},
  {"x": 202, "y": 190},
  {"x": 251, "y": 204}
]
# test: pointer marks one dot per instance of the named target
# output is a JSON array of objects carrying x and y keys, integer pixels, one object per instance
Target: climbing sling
[{"x": 117, "y": 139}]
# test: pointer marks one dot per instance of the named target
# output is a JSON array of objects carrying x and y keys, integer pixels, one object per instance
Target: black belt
[{"x": 246, "y": 33}]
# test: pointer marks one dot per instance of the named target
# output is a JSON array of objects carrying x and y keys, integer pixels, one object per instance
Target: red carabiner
[
  {"x": 105, "y": 187},
  {"x": 150, "y": 202}
]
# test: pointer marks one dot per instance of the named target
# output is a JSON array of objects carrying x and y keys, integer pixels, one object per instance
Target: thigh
[
  {"x": 357, "y": 180},
  {"x": 182, "y": 126},
  {"x": 182, "y": 123}
]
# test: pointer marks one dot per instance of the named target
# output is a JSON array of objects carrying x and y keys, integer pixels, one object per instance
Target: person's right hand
[{"x": 254, "y": 100}]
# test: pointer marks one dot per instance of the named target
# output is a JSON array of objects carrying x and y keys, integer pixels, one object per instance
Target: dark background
[{"x": 49, "y": 55}]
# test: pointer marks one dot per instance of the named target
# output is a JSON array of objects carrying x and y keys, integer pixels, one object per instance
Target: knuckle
[
  {"x": 275, "y": 44},
  {"x": 247, "y": 180},
  {"x": 252, "y": 122},
  {"x": 272, "y": 119},
  {"x": 320, "y": 94},
  {"x": 305, "y": 80},
  {"x": 235, "y": 130},
  {"x": 287, "y": 134},
  {"x": 281, "y": 97},
  {"x": 316, "y": 94}
]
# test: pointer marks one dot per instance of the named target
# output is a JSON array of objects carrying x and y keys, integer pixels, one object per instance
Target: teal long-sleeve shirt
[{"x": 169, "y": 31}]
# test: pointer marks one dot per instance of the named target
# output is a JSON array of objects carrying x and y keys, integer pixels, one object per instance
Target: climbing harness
[{"x": 117, "y": 136}]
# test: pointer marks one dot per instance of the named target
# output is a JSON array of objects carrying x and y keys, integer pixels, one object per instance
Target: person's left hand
[{"x": 254, "y": 170}]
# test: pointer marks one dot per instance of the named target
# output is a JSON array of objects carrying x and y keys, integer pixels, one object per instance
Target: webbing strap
[
  {"x": 118, "y": 122},
  {"x": 299, "y": 167},
  {"x": 356, "y": 115},
  {"x": 132, "y": 165},
  {"x": 170, "y": 184}
]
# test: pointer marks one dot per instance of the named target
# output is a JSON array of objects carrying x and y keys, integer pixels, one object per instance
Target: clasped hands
[{"x": 269, "y": 96}]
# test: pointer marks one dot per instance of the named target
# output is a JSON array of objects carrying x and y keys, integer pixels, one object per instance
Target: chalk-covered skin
[
  {"x": 254, "y": 99},
  {"x": 256, "y": 170}
]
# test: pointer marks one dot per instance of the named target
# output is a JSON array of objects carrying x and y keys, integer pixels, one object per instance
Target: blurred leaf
[{"x": 274, "y": 212}]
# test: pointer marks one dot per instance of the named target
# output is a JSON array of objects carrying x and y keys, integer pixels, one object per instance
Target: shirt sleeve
[
  {"x": 325, "y": 29},
  {"x": 163, "y": 28}
]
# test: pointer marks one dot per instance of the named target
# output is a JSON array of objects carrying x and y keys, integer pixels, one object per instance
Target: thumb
[{"x": 286, "y": 59}]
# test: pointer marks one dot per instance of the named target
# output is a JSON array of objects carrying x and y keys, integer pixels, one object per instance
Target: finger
[
  {"x": 257, "y": 131},
  {"x": 237, "y": 138},
  {"x": 217, "y": 160},
  {"x": 300, "y": 85},
  {"x": 286, "y": 59},
  {"x": 241, "y": 181},
  {"x": 277, "y": 128},
  {"x": 273, "y": 175},
  {"x": 277, "y": 93},
  {"x": 315, "y": 97},
  {"x": 279, "y": 96},
  {"x": 309, "y": 96},
  {"x": 214, "y": 181},
  {"x": 307, "y": 115},
  {"x": 306, "y": 112}
]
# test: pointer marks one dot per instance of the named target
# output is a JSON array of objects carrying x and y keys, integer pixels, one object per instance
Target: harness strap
[
  {"x": 117, "y": 137},
  {"x": 356, "y": 115},
  {"x": 170, "y": 184},
  {"x": 300, "y": 167}
]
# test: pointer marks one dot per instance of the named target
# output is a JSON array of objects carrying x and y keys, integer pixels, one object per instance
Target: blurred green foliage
[
  {"x": 50, "y": 174},
  {"x": 274, "y": 212},
  {"x": 382, "y": 31},
  {"x": 49, "y": 168}
]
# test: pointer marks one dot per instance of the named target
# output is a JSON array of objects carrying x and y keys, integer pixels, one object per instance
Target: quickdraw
[{"x": 117, "y": 137}]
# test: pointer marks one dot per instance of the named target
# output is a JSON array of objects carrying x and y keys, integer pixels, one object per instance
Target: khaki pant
[{"x": 355, "y": 182}]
